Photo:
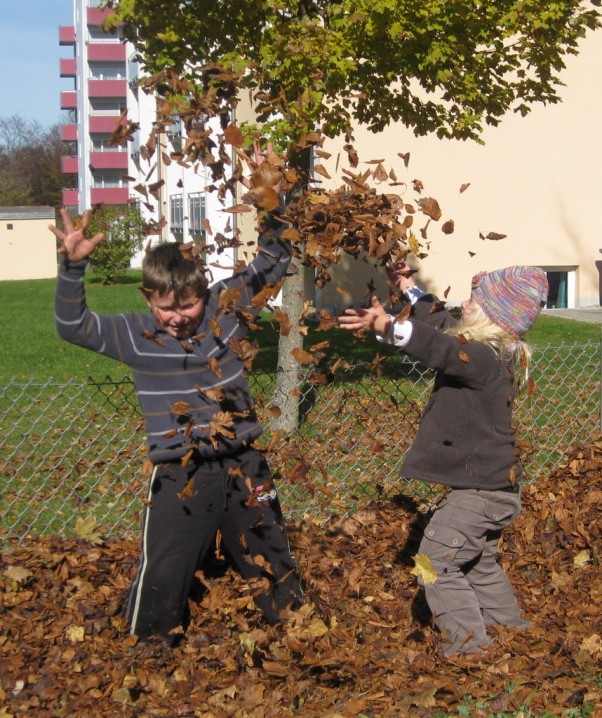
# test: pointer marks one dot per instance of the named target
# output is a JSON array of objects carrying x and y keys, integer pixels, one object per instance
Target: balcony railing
[
  {"x": 67, "y": 35},
  {"x": 108, "y": 160},
  {"x": 69, "y": 165},
  {"x": 107, "y": 88},
  {"x": 109, "y": 195},
  {"x": 68, "y": 67},
  {"x": 106, "y": 51},
  {"x": 68, "y": 100}
]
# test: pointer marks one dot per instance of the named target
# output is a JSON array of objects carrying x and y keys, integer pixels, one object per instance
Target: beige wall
[
  {"x": 28, "y": 250},
  {"x": 537, "y": 179}
]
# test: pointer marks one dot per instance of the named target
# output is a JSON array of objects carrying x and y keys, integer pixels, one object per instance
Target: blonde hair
[{"x": 513, "y": 351}]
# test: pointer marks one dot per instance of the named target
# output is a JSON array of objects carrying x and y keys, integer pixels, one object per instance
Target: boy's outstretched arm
[{"x": 73, "y": 242}]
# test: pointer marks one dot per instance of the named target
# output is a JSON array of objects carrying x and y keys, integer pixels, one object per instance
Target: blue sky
[{"x": 30, "y": 84}]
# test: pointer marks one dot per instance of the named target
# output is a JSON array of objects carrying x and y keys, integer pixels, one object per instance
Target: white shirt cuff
[
  {"x": 398, "y": 335},
  {"x": 414, "y": 293}
]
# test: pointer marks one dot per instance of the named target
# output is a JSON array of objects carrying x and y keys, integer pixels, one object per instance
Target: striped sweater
[{"x": 193, "y": 393}]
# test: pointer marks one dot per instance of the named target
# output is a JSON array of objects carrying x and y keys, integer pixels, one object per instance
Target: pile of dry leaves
[{"x": 361, "y": 646}]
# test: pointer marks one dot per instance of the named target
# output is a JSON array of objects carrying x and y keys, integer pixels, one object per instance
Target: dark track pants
[{"x": 187, "y": 507}]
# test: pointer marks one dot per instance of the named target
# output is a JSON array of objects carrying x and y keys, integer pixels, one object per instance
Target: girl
[{"x": 466, "y": 439}]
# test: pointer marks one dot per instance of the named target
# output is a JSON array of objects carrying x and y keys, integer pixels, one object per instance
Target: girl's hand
[
  {"x": 73, "y": 242},
  {"x": 374, "y": 318},
  {"x": 400, "y": 275}
]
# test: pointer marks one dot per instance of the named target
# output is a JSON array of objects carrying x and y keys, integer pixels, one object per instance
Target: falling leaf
[
  {"x": 188, "y": 490},
  {"x": 492, "y": 235},
  {"x": 233, "y": 135},
  {"x": 321, "y": 170},
  {"x": 301, "y": 356},
  {"x": 238, "y": 209},
  {"x": 430, "y": 207},
  {"x": 181, "y": 408}
]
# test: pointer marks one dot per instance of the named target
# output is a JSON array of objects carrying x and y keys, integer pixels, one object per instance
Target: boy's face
[{"x": 179, "y": 317}]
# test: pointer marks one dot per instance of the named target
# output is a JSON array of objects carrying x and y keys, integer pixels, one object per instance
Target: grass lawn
[{"x": 30, "y": 347}]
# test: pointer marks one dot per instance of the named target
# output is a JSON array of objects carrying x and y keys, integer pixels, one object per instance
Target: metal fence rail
[{"x": 72, "y": 451}]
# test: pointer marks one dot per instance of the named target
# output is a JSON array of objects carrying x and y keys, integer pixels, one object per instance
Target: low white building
[{"x": 27, "y": 247}]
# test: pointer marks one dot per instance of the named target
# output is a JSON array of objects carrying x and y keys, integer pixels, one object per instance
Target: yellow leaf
[
  {"x": 582, "y": 558},
  {"x": 316, "y": 628},
  {"x": 424, "y": 568},
  {"x": 18, "y": 574},
  {"x": 75, "y": 634},
  {"x": 592, "y": 645},
  {"x": 84, "y": 528}
]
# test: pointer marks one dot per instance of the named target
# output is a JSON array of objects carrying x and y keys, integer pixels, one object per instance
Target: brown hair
[{"x": 169, "y": 268}]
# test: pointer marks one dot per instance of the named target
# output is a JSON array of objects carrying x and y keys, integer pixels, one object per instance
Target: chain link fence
[{"x": 73, "y": 452}]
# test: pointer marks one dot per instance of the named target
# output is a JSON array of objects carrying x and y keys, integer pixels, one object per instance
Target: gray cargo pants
[{"x": 471, "y": 589}]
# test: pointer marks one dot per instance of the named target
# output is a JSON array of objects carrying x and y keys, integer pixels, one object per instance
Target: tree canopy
[
  {"x": 447, "y": 67},
  {"x": 30, "y": 163}
]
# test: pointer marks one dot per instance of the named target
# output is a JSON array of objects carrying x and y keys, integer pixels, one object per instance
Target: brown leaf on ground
[{"x": 362, "y": 644}]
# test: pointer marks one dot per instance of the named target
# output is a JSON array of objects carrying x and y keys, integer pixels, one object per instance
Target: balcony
[
  {"x": 106, "y": 51},
  {"x": 107, "y": 88},
  {"x": 68, "y": 67},
  {"x": 70, "y": 198},
  {"x": 68, "y": 100},
  {"x": 96, "y": 16},
  {"x": 109, "y": 160},
  {"x": 109, "y": 195},
  {"x": 104, "y": 124},
  {"x": 66, "y": 35},
  {"x": 69, "y": 165},
  {"x": 69, "y": 133}
]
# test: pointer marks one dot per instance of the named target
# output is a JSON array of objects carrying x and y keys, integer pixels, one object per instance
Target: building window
[
  {"x": 196, "y": 213},
  {"x": 176, "y": 212},
  {"x": 108, "y": 179}
]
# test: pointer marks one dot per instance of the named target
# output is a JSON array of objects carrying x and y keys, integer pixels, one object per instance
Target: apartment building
[{"x": 106, "y": 82}]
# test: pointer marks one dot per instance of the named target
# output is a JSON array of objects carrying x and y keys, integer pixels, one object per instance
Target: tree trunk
[{"x": 287, "y": 396}]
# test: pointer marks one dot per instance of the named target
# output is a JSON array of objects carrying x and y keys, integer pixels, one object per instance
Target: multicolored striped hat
[{"x": 512, "y": 298}]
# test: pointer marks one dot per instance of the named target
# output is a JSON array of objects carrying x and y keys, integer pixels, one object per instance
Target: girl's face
[{"x": 468, "y": 309}]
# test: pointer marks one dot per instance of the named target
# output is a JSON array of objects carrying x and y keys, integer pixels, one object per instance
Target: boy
[{"x": 188, "y": 358}]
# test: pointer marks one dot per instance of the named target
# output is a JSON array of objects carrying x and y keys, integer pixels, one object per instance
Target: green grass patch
[{"x": 31, "y": 348}]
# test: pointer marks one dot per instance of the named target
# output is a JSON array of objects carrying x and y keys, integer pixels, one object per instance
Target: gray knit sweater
[
  {"x": 466, "y": 438},
  {"x": 194, "y": 393}
]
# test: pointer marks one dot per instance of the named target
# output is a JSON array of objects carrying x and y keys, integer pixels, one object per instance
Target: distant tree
[
  {"x": 124, "y": 232},
  {"x": 30, "y": 163}
]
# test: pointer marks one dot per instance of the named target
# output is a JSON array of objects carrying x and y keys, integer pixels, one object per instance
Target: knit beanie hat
[{"x": 512, "y": 298}]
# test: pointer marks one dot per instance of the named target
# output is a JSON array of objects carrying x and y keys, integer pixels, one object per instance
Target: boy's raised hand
[
  {"x": 73, "y": 242},
  {"x": 374, "y": 318}
]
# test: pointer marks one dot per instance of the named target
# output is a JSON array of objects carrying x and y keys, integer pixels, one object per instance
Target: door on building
[{"x": 557, "y": 290}]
